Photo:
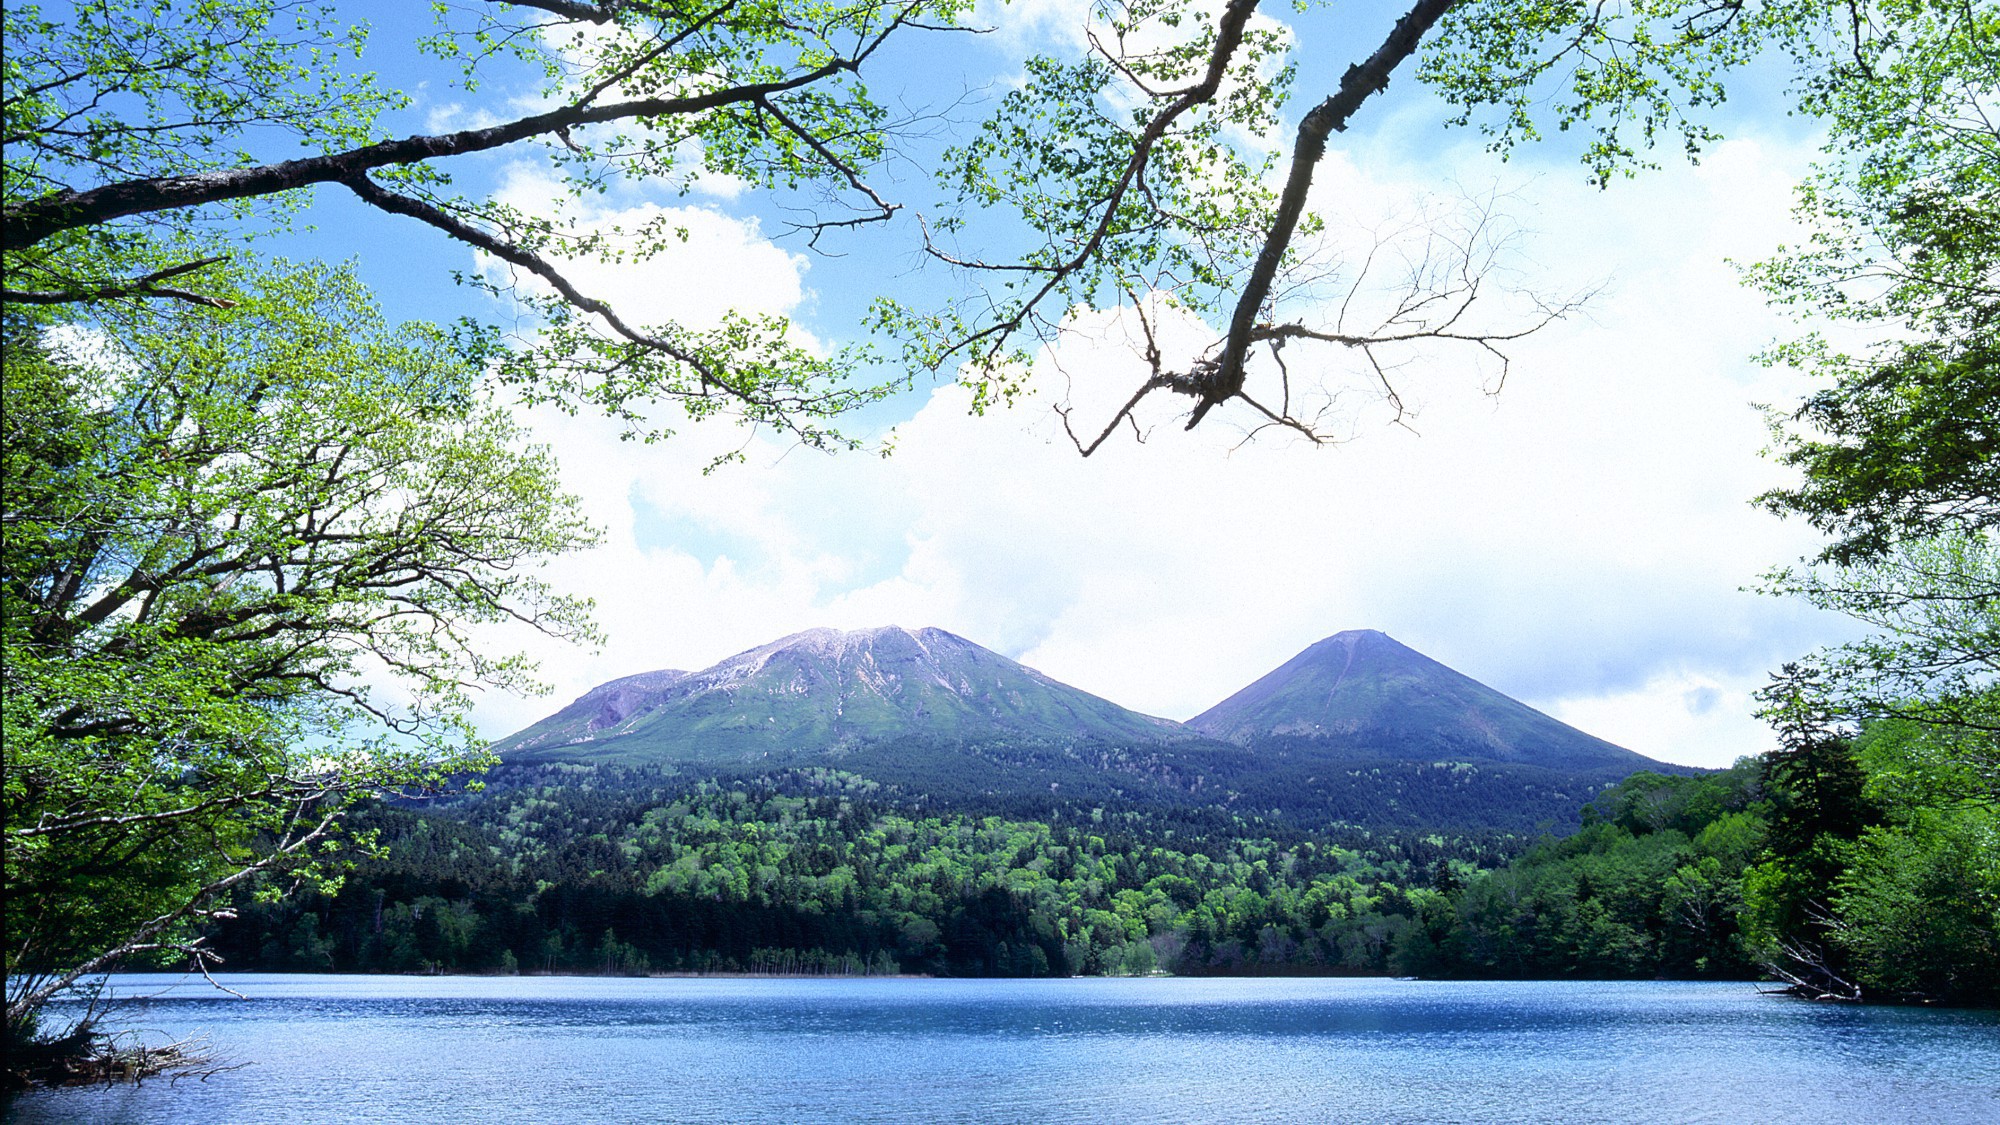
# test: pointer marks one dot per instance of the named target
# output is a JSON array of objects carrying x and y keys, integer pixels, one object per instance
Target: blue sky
[{"x": 1581, "y": 540}]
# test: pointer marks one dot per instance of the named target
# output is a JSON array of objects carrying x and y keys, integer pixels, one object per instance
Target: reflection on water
[{"x": 494, "y": 1050}]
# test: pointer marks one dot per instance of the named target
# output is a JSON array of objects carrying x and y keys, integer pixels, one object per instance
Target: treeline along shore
[{"x": 820, "y": 872}]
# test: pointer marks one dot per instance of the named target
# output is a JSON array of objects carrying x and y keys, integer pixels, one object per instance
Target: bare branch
[
  {"x": 1453, "y": 274},
  {"x": 1356, "y": 86},
  {"x": 147, "y": 286},
  {"x": 515, "y": 254},
  {"x": 884, "y": 210}
]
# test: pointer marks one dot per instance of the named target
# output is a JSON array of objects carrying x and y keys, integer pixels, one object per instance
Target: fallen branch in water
[{"x": 85, "y": 1057}]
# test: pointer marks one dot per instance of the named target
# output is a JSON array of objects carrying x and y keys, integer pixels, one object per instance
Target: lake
[{"x": 495, "y": 1050}]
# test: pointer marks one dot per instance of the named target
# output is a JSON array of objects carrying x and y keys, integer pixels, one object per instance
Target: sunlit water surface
[{"x": 494, "y": 1050}]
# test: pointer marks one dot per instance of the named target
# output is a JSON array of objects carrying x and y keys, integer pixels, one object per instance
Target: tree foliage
[
  {"x": 1882, "y": 880},
  {"x": 1918, "y": 908},
  {"x": 1903, "y": 443},
  {"x": 143, "y": 136},
  {"x": 1883, "y": 887},
  {"x": 1131, "y": 173},
  {"x": 1152, "y": 202},
  {"x": 1901, "y": 447},
  {"x": 221, "y": 526},
  {"x": 1134, "y": 173},
  {"x": 1933, "y": 656}
]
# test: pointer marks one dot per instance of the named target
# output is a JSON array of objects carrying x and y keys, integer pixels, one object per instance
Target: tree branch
[
  {"x": 514, "y": 254},
  {"x": 1228, "y": 37},
  {"x": 574, "y": 9},
  {"x": 1356, "y": 86},
  {"x": 141, "y": 937},
  {"x": 147, "y": 286},
  {"x": 30, "y": 222}
]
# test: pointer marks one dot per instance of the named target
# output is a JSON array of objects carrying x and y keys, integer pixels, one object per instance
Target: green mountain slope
[
  {"x": 828, "y": 691},
  {"x": 1361, "y": 694}
]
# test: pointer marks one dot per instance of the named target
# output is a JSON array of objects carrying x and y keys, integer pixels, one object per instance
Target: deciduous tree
[{"x": 221, "y": 526}]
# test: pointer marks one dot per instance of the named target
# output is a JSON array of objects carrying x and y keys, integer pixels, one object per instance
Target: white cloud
[
  {"x": 1677, "y": 714},
  {"x": 1025, "y": 26},
  {"x": 1579, "y": 541},
  {"x": 710, "y": 262}
]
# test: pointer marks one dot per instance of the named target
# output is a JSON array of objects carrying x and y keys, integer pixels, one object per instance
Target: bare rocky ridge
[{"x": 604, "y": 711}]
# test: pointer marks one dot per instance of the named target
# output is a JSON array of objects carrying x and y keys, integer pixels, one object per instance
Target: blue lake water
[{"x": 495, "y": 1050}]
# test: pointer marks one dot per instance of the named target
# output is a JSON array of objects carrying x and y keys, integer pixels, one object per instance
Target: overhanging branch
[
  {"x": 30, "y": 222},
  {"x": 1361, "y": 81}
]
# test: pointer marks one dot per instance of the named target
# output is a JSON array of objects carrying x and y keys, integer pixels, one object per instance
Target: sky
[{"x": 1583, "y": 539}]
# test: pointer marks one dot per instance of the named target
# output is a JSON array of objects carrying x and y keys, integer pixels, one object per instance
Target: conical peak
[
  {"x": 1349, "y": 645},
  {"x": 1365, "y": 691},
  {"x": 1353, "y": 638},
  {"x": 834, "y": 644}
]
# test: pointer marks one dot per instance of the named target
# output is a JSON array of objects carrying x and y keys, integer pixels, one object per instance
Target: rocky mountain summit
[{"x": 826, "y": 689}]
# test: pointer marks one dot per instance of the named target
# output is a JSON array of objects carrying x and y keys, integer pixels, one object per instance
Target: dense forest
[
  {"x": 819, "y": 870},
  {"x": 1872, "y": 846}
]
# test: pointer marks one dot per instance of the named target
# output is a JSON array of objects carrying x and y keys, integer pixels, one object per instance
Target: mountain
[
  {"x": 604, "y": 712},
  {"x": 1358, "y": 730},
  {"x": 1362, "y": 694},
  {"x": 826, "y": 690}
]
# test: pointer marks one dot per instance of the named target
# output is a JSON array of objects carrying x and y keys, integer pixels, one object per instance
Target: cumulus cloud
[
  {"x": 1580, "y": 541},
  {"x": 708, "y": 263}
]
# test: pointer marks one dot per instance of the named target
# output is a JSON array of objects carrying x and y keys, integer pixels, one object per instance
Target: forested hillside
[{"x": 817, "y": 871}]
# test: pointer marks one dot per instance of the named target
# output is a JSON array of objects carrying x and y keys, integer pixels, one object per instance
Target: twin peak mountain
[{"x": 827, "y": 694}]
